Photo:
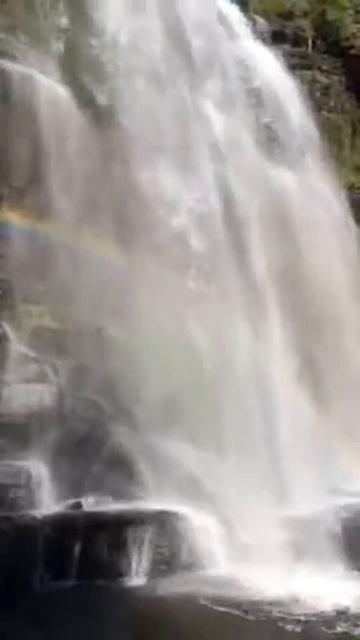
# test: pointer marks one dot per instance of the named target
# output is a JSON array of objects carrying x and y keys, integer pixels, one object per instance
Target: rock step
[{"x": 83, "y": 546}]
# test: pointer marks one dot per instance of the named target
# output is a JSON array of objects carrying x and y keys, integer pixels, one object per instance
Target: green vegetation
[
  {"x": 272, "y": 8},
  {"x": 330, "y": 20},
  {"x": 326, "y": 22},
  {"x": 332, "y": 27}
]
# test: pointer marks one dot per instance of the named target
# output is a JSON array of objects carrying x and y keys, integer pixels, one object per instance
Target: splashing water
[{"x": 239, "y": 293}]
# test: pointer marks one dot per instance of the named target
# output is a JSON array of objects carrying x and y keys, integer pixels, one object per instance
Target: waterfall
[{"x": 223, "y": 252}]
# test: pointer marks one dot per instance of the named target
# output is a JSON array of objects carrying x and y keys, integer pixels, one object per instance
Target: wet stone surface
[{"x": 37, "y": 552}]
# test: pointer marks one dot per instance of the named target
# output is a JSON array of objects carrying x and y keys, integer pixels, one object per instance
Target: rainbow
[{"x": 80, "y": 238}]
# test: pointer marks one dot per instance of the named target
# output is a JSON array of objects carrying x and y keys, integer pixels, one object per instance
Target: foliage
[
  {"x": 272, "y": 8},
  {"x": 329, "y": 21}
]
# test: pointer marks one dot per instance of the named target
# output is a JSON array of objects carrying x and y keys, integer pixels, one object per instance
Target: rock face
[
  {"x": 352, "y": 70},
  {"x": 335, "y": 106},
  {"x": 354, "y": 198},
  {"x": 85, "y": 457},
  {"x": 19, "y": 556},
  {"x": 65, "y": 414},
  {"x": 340, "y": 526},
  {"x": 73, "y": 546},
  {"x": 83, "y": 540},
  {"x": 23, "y": 486},
  {"x": 332, "y": 82}
]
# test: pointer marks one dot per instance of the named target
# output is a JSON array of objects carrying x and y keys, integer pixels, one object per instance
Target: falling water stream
[{"x": 220, "y": 246}]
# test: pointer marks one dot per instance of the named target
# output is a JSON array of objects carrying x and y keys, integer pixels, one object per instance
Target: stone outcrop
[
  {"x": 354, "y": 197},
  {"x": 335, "y": 105},
  {"x": 75, "y": 546},
  {"x": 331, "y": 77}
]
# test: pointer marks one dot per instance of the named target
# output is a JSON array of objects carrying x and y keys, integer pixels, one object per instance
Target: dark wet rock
[
  {"x": 67, "y": 547},
  {"x": 74, "y": 505},
  {"x": 86, "y": 457},
  {"x": 261, "y": 28},
  {"x": 84, "y": 69},
  {"x": 20, "y": 555},
  {"x": 284, "y": 32},
  {"x": 60, "y": 539},
  {"x": 354, "y": 198},
  {"x": 122, "y": 543},
  {"x": 21, "y": 167},
  {"x": 350, "y": 533},
  {"x": 21, "y": 486},
  {"x": 352, "y": 70},
  {"x": 314, "y": 537},
  {"x": 339, "y": 527}
]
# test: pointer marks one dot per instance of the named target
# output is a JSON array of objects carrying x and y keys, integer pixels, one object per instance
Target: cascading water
[{"x": 233, "y": 273}]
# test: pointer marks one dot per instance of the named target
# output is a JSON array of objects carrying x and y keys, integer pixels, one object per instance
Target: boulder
[
  {"x": 339, "y": 526},
  {"x": 122, "y": 542},
  {"x": 76, "y": 545},
  {"x": 24, "y": 486}
]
